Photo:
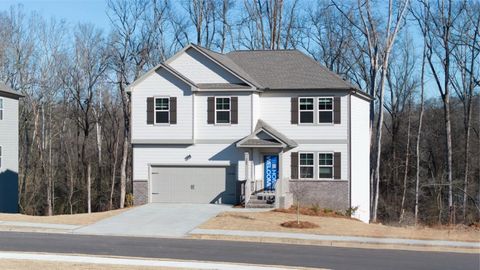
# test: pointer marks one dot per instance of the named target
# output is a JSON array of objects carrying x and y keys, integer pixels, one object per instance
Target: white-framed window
[
  {"x": 1, "y": 108},
  {"x": 222, "y": 110},
  {"x": 325, "y": 165},
  {"x": 162, "y": 110},
  {"x": 325, "y": 110},
  {"x": 306, "y": 165},
  {"x": 306, "y": 110}
]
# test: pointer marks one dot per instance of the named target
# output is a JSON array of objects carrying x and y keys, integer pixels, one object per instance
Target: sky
[
  {"x": 94, "y": 11},
  {"x": 73, "y": 11}
]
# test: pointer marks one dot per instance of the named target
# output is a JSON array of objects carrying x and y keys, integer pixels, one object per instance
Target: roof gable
[
  {"x": 206, "y": 67},
  {"x": 266, "y": 136}
]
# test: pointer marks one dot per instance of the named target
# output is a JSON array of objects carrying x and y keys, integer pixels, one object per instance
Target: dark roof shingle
[
  {"x": 4, "y": 89},
  {"x": 287, "y": 69}
]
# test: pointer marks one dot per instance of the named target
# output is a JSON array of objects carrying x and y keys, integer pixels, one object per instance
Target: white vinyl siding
[
  {"x": 275, "y": 109},
  {"x": 222, "y": 132},
  {"x": 162, "y": 84},
  {"x": 146, "y": 155},
  {"x": 199, "y": 69},
  {"x": 316, "y": 149},
  {"x": 9, "y": 135},
  {"x": 360, "y": 182}
]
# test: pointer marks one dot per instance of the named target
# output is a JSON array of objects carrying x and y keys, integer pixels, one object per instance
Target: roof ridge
[{"x": 263, "y": 50}]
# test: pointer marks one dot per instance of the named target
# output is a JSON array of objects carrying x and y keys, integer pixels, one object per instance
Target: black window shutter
[
  {"x": 337, "y": 107},
  {"x": 337, "y": 165},
  {"x": 173, "y": 110},
  {"x": 150, "y": 110},
  {"x": 234, "y": 116},
  {"x": 294, "y": 165},
  {"x": 210, "y": 110},
  {"x": 294, "y": 110}
]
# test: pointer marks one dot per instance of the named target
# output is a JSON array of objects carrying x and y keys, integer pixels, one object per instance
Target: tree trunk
[
  {"x": 89, "y": 188},
  {"x": 123, "y": 173},
  {"x": 114, "y": 172},
  {"x": 405, "y": 173},
  {"x": 419, "y": 134}
]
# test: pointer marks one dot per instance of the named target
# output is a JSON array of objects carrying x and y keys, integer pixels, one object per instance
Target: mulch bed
[{"x": 299, "y": 225}]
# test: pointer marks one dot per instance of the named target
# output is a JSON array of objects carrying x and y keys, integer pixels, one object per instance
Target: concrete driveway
[{"x": 156, "y": 220}]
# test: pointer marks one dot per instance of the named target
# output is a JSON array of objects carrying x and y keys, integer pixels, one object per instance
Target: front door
[{"x": 270, "y": 171}]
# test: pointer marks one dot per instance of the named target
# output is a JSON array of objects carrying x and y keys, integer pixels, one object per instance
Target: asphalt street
[{"x": 237, "y": 252}]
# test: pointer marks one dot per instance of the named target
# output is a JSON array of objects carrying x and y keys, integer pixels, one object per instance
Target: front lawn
[
  {"x": 271, "y": 221},
  {"x": 76, "y": 219}
]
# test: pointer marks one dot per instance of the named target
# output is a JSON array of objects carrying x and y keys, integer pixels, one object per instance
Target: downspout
[{"x": 349, "y": 150}]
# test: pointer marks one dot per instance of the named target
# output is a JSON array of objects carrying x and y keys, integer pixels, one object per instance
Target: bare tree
[
  {"x": 464, "y": 80},
  {"x": 378, "y": 47}
]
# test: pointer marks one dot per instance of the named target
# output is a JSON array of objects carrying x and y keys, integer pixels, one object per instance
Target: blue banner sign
[{"x": 271, "y": 171}]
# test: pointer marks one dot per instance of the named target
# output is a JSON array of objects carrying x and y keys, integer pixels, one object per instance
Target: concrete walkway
[
  {"x": 338, "y": 238},
  {"x": 156, "y": 220}
]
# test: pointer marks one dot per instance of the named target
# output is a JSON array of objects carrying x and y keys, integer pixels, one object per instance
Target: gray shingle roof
[
  {"x": 287, "y": 69},
  {"x": 222, "y": 86},
  {"x": 5, "y": 90}
]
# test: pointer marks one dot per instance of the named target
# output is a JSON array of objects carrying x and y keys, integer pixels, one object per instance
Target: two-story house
[
  {"x": 8, "y": 149},
  {"x": 253, "y": 127}
]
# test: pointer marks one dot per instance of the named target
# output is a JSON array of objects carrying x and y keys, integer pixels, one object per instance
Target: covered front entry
[
  {"x": 265, "y": 185},
  {"x": 193, "y": 184}
]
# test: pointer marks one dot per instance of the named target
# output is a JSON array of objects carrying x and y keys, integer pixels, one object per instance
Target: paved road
[{"x": 239, "y": 252}]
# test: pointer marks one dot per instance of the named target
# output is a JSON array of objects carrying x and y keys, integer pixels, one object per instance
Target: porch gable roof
[{"x": 252, "y": 140}]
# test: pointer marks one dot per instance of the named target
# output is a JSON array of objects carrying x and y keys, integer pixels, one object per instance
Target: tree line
[{"x": 418, "y": 58}]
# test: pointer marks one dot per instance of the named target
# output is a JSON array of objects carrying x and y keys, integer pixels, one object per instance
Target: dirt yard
[
  {"x": 76, "y": 219},
  {"x": 270, "y": 221},
  {"x": 40, "y": 265}
]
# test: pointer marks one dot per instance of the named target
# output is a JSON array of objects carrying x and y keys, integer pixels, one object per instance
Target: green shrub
[
  {"x": 315, "y": 208},
  {"x": 351, "y": 211}
]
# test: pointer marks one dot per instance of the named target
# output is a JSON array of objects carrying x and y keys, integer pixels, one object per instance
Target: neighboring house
[
  {"x": 199, "y": 115},
  {"x": 8, "y": 149}
]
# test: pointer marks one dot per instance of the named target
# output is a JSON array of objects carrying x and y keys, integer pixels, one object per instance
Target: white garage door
[{"x": 193, "y": 185}]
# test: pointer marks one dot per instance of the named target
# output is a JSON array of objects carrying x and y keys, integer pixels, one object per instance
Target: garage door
[{"x": 193, "y": 185}]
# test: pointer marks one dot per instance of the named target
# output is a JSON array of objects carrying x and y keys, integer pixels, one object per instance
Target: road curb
[{"x": 338, "y": 238}]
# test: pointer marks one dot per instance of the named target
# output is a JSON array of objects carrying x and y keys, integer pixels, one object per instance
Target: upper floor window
[
  {"x": 306, "y": 165},
  {"x": 325, "y": 110},
  {"x": 325, "y": 164},
  {"x": 1, "y": 108},
  {"x": 162, "y": 110},
  {"x": 222, "y": 110},
  {"x": 306, "y": 110}
]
